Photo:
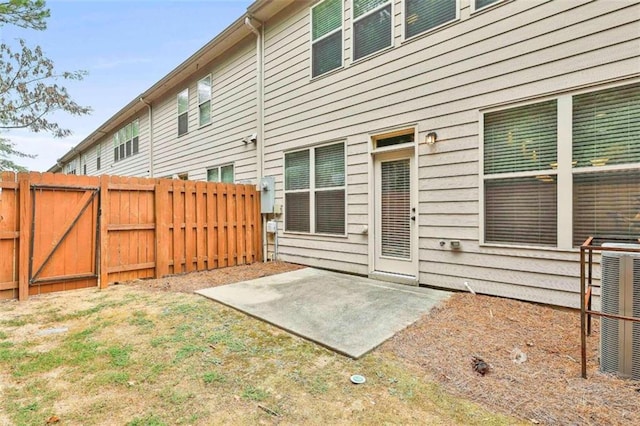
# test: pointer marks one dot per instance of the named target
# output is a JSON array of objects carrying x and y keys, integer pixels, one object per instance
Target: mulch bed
[
  {"x": 533, "y": 353},
  {"x": 534, "y": 356}
]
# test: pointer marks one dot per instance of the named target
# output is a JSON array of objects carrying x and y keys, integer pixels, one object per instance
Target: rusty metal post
[{"x": 583, "y": 335}]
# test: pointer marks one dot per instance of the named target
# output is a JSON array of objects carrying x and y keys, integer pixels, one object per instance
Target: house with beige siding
[{"x": 446, "y": 143}]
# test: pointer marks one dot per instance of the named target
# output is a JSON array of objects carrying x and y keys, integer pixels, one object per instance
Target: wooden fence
[{"x": 61, "y": 232}]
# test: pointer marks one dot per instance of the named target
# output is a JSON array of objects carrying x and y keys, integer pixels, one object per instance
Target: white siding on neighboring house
[
  {"x": 440, "y": 81},
  {"x": 233, "y": 106}
]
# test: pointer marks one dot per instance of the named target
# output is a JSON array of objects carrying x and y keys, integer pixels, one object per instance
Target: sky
[{"x": 125, "y": 46}]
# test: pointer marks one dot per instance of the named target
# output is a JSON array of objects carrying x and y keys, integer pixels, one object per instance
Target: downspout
[
  {"x": 259, "y": 115},
  {"x": 259, "y": 94},
  {"x": 150, "y": 120}
]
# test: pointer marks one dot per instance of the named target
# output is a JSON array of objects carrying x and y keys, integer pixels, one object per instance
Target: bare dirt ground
[{"x": 533, "y": 352}]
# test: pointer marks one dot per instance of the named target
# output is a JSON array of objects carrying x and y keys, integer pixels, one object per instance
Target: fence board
[{"x": 134, "y": 228}]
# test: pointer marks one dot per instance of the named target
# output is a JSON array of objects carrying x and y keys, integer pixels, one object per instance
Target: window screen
[
  {"x": 423, "y": 15},
  {"x": 326, "y": 34},
  {"x": 204, "y": 101},
  {"x": 183, "y": 112},
  {"x": 372, "y": 27},
  {"x": 606, "y": 127},
  {"x": 315, "y": 190},
  {"x": 521, "y": 209}
]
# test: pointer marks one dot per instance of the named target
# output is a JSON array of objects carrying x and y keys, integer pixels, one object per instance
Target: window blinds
[
  {"x": 606, "y": 204},
  {"x": 423, "y": 15},
  {"x": 521, "y": 139},
  {"x": 326, "y": 34},
  {"x": 606, "y": 127},
  {"x": 372, "y": 32}
]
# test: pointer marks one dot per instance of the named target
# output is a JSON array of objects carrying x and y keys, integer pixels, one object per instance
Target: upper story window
[
  {"x": 204, "y": 101},
  {"x": 221, "y": 174},
  {"x": 424, "y": 15},
  {"x": 479, "y": 4},
  {"x": 183, "y": 112},
  {"x": 70, "y": 168},
  {"x": 126, "y": 141},
  {"x": 372, "y": 26},
  {"x": 326, "y": 37},
  {"x": 314, "y": 190},
  {"x": 98, "y": 156},
  {"x": 581, "y": 152}
]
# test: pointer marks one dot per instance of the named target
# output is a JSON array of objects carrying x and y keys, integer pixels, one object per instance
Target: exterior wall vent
[{"x": 620, "y": 340}]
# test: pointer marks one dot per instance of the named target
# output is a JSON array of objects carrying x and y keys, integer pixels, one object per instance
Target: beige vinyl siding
[
  {"x": 233, "y": 106},
  {"x": 515, "y": 51}
]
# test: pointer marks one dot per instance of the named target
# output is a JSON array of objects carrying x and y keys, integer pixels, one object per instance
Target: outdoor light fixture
[{"x": 431, "y": 138}]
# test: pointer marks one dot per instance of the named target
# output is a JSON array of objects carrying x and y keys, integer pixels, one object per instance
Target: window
[
  {"x": 183, "y": 112},
  {"x": 126, "y": 141},
  {"x": 70, "y": 168},
  {"x": 98, "y": 155},
  {"x": 529, "y": 170},
  {"x": 372, "y": 26},
  {"x": 425, "y": 15},
  {"x": 479, "y": 4},
  {"x": 315, "y": 190},
  {"x": 326, "y": 37},
  {"x": 606, "y": 142},
  {"x": 221, "y": 174},
  {"x": 520, "y": 186},
  {"x": 204, "y": 101}
]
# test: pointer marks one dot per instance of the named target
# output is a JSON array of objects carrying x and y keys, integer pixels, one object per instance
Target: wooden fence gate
[{"x": 61, "y": 232}]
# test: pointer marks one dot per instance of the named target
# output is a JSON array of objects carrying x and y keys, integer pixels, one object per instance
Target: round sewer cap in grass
[{"x": 358, "y": 379}]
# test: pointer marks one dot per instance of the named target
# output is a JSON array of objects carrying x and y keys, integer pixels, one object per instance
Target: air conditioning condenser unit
[{"x": 620, "y": 339}]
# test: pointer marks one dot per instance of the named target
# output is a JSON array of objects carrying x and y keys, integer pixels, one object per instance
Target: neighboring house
[{"x": 438, "y": 142}]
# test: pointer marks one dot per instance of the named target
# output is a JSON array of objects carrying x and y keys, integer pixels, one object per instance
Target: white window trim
[
  {"x": 487, "y": 7},
  {"x": 564, "y": 171},
  {"x": 219, "y": 167},
  {"x": 429, "y": 31},
  {"x": 124, "y": 142},
  {"x": 353, "y": 38},
  {"x": 178, "y": 114},
  {"x": 312, "y": 41},
  {"x": 312, "y": 190},
  {"x": 210, "y": 100}
]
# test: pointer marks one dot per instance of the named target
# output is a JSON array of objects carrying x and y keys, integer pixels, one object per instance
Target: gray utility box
[{"x": 267, "y": 188}]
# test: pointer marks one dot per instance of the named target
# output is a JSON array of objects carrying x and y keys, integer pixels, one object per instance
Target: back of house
[{"x": 449, "y": 143}]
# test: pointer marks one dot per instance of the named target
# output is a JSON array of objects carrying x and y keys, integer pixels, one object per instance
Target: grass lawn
[{"x": 135, "y": 357}]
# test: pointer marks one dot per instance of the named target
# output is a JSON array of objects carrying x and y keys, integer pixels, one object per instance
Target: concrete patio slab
[{"x": 349, "y": 314}]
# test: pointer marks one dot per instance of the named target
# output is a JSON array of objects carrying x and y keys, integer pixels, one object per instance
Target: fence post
[
  {"x": 104, "y": 231},
  {"x": 162, "y": 212},
  {"x": 24, "y": 188}
]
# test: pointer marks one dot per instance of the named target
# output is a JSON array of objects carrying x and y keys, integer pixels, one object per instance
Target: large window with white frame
[
  {"x": 372, "y": 26},
  {"x": 315, "y": 190},
  {"x": 421, "y": 16},
  {"x": 183, "y": 112},
  {"x": 558, "y": 171},
  {"x": 326, "y": 37},
  {"x": 126, "y": 141},
  {"x": 223, "y": 174},
  {"x": 204, "y": 100}
]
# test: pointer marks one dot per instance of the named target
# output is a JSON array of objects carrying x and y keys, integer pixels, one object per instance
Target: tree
[{"x": 29, "y": 85}]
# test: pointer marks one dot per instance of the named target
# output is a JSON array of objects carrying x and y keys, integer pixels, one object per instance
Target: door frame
[{"x": 410, "y": 149}]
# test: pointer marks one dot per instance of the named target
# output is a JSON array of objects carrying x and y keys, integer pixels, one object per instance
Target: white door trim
[{"x": 412, "y": 277}]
